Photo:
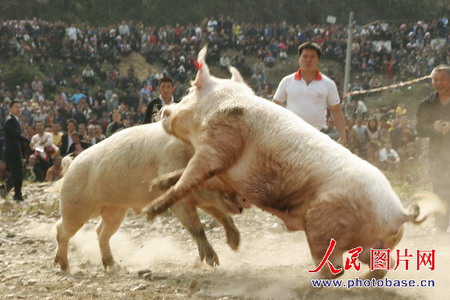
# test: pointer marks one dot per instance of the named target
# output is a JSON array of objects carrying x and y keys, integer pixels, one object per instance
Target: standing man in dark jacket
[
  {"x": 433, "y": 121},
  {"x": 165, "y": 89},
  {"x": 13, "y": 151}
]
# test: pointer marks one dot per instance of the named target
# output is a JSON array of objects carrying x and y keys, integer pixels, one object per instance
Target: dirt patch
[
  {"x": 159, "y": 260},
  {"x": 141, "y": 67}
]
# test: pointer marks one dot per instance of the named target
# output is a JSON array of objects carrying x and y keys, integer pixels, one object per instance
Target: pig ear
[
  {"x": 235, "y": 75},
  {"x": 203, "y": 70}
]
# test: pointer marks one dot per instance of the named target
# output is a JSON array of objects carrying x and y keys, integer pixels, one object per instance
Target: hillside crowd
[{"x": 81, "y": 89}]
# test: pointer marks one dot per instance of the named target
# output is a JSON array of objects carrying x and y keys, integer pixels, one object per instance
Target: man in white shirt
[
  {"x": 42, "y": 144},
  {"x": 41, "y": 140},
  {"x": 389, "y": 157},
  {"x": 308, "y": 93},
  {"x": 165, "y": 89}
]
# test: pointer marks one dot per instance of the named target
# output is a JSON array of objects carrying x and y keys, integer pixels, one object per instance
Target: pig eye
[{"x": 189, "y": 90}]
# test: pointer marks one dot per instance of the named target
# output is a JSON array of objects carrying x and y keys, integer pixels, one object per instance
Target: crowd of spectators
[{"x": 82, "y": 88}]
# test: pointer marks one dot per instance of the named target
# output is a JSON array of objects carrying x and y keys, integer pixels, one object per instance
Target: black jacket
[
  {"x": 83, "y": 144},
  {"x": 153, "y": 108},
  {"x": 64, "y": 144},
  {"x": 429, "y": 111},
  {"x": 13, "y": 138}
]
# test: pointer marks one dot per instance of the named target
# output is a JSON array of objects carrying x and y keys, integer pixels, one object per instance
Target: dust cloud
[{"x": 270, "y": 263}]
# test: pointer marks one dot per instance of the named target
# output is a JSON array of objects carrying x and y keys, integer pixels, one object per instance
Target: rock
[
  {"x": 31, "y": 282},
  {"x": 142, "y": 272},
  {"x": 139, "y": 288},
  {"x": 78, "y": 275},
  {"x": 68, "y": 292},
  {"x": 147, "y": 276},
  {"x": 193, "y": 286}
]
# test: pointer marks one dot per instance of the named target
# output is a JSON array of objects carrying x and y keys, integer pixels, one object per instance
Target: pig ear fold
[
  {"x": 235, "y": 75},
  {"x": 203, "y": 70}
]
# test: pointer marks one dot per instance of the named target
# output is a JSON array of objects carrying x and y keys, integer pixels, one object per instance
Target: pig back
[
  {"x": 288, "y": 155},
  {"x": 123, "y": 164}
]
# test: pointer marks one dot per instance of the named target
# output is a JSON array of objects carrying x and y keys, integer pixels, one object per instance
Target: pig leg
[
  {"x": 225, "y": 142},
  {"x": 233, "y": 235},
  {"x": 112, "y": 217},
  {"x": 164, "y": 182},
  {"x": 205, "y": 163},
  {"x": 186, "y": 213},
  {"x": 318, "y": 250},
  {"x": 66, "y": 227},
  {"x": 377, "y": 273},
  {"x": 322, "y": 222}
]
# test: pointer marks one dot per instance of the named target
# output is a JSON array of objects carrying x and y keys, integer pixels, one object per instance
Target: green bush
[{"x": 15, "y": 72}]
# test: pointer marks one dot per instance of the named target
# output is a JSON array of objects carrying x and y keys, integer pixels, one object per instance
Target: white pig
[
  {"x": 112, "y": 176},
  {"x": 279, "y": 163}
]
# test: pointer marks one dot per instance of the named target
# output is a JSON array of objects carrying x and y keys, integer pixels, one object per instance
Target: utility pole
[{"x": 348, "y": 57}]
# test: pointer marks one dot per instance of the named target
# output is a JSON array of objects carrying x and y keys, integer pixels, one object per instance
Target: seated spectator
[
  {"x": 224, "y": 61},
  {"x": 43, "y": 147},
  {"x": 402, "y": 135},
  {"x": 54, "y": 172},
  {"x": 66, "y": 139},
  {"x": 400, "y": 110},
  {"x": 267, "y": 92},
  {"x": 115, "y": 125},
  {"x": 77, "y": 96},
  {"x": 374, "y": 145},
  {"x": 357, "y": 108},
  {"x": 77, "y": 146},
  {"x": 69, "y": 67},
  {"x": 91, "y": 136},
  {"x": 42, "y": 142},
  {"x": 99, "y": 133},
  {"x": 88, "y": 75},
  {"x": 374, "y": 82},
  {"x": 269, "y": 60},
  {"x": 389, "y": 158},
  {"x": 362, "y": 137},
  {"x": 82, "y": 132},
  {"x": 331, "y": 130}
]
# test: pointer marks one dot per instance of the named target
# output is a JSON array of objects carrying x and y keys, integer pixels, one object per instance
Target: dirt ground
[
  {"x": 159, "y": 260},
  {"x": 141, "y": 67}
]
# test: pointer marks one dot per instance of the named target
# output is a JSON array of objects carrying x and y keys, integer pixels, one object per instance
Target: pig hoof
[
  {"x": 210, "y": 256},
  {"x": 63, "y": 265},
  {"x": 114, "y": 268},
  {"x": 151, "y": 213},
  {"x": 233, "y": 240},
  {"x": 213, "y": 260}
]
